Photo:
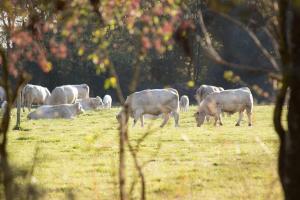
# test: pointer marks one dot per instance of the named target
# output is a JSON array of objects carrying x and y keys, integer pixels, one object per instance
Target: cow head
[
  {"x": 99, "y": 102},
  {"x": 120, "y": 116},
  {"x": 79, "y": 109},
  {"x": 200, "y": 117}
]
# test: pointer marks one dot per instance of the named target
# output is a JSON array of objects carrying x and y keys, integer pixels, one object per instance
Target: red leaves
[
  {"x": 167, "y": 27},
  {"x": 58, "y": 50},
  {"x": 22, "y": 39},
  {"x": 158, "y": 45},
  {"x": 135, "y": 4},
  {"x": 146, "y": 19},
  {"x": 146, "y": 42}
]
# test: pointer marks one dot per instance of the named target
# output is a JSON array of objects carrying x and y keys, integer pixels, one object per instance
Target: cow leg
[
  {"x": 176, "y": 118},
  {"x": 134, "y": 122},
  {"x": 136, "y": 116},
  {"x": 166, "y": 119},
  {"x": 142, "y": 120},
  {"x": 249, "y": 114},
  {"x": 207, "y": 118},
  {"x": 216, "y": 120},
  {"x": 23, "y": 105},
  {"x": 238, "y": 123},
  {"x": 220, "y": 120},
  {"x": 29, "y": 102},
  {"x": 219, "y": 113}
]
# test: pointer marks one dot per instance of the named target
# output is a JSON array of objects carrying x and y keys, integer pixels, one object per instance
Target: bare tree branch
[
  {"x": 253, "y": 37},
  {"x": 215, "y": 56},
  {"x": 273, "y": 41}
]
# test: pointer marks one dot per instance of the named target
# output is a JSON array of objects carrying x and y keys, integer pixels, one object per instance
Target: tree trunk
[
  {"x": 18, "y": 123},
  {"x": 292, "y": 154},
  {"x": 289, "y": 153}
]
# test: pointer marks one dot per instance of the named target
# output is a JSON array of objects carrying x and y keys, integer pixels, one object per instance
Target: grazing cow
[
  {"x": 184, "y": 103},
  {"x": 153, "y": 102},
  {"x": 205, "y": 90},
  {"x": 90, "y": 103},
  {"x": 34, "y": 94},
  {"x": 63, "y": 95},
  {"x": 231, "y": 101},
  {"x": 66, "y": 111},
  {"x": 107, "y": 101}
]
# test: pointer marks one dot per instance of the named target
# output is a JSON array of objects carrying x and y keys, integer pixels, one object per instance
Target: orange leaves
[{"x": 45, "y": 65}]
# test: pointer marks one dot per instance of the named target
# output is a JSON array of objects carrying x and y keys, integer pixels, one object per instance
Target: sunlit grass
[{"x": 80, "y": 157}]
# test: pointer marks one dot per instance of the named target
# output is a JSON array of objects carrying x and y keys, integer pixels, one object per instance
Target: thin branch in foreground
[{"x": 138, "y": 168}]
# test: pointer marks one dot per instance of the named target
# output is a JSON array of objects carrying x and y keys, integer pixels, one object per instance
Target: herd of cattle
[
  {"x": 212, "y": 101},
  {"x": 67, "y": 101}
]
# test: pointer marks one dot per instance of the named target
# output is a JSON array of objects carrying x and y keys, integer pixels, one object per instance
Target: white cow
[
  {"x": 231, "y": 101},
  {"x": 34, "y": 94},
  {"x": 91, "y": 103},
  {"x": 205, "y": 90},
  {"x": 107, "y": 101},
  {"x": 184, "y": 103},
  {"x": 83, "y": 90},
  {"x": 66, "y": 94},
  {"x": 67, "y": 111},
  {"x": 153, "y": 102}
]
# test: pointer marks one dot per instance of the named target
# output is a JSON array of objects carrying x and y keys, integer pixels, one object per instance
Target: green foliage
[{"x": 80, "y": 157}]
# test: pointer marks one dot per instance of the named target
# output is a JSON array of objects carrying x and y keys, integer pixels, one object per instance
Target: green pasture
[{"x": 79, "y": 158}]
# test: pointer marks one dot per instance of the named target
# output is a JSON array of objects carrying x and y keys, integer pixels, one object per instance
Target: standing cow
[
  {"x": 231, "y": 101},
  {"x": 63, "y": 95},
  {"x": 83, "y": 90},
  {"x": 153, "y": 102},
  {"x": 34, "y": 94},
  {"x": 184, "y": 103},
  {"x": 205, "y": 90}
]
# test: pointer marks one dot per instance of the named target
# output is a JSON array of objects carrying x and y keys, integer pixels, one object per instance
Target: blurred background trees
[
  {"x": 94, "y": 45},
  {"x": 171, "y": 43}
]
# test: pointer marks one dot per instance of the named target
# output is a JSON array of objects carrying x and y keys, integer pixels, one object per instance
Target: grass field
[{"x": 79, "y": 158}]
